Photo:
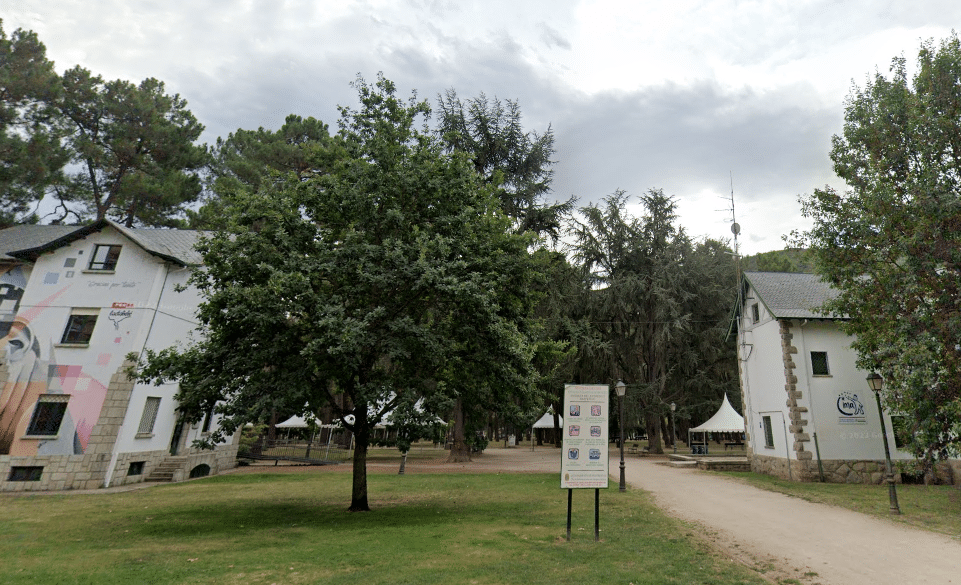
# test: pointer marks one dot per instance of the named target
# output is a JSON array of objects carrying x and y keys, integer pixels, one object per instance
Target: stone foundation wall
[
  {"x": 89, "y": 470},
  {"x": 150, "y": 458},
  {"x": 77, "y": 472},
  {"x": 844, "y": 470},
  {"x": 60, "y": 472},
  {"x": 222, "y": 458}
]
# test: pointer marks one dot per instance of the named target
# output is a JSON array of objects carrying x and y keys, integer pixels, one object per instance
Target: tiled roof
[
  {"x": 22, "y": 237},
  {"x": 791, "y": 295},
  {"x": 28, "y": 241},
  {"x": 176, "y": 245}
]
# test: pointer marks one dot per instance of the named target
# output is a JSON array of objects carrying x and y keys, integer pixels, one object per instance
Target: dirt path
[{"x": 792, "y": 538}]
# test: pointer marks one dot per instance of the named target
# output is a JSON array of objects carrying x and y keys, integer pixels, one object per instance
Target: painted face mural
[{"x": 29, "y": 377}]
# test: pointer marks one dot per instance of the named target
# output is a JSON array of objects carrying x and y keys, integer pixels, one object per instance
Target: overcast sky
[{"x": 680, "y": 95}]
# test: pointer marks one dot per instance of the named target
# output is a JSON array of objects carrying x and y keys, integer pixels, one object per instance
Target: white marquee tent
[
  {"x": 725, "y": 420},
  {"x": 296, "y": 422},
  {"x": 547, "y": 421}
]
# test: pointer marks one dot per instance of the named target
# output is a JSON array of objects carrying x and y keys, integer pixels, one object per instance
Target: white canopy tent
[
  {"x": 725, "y": 420},
  {"x": 297, "y": 422},
  {"x": 547, "y": 421}
]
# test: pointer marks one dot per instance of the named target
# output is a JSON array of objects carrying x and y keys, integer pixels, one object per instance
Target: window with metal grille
[
  {"x": 104, "y": 257},
  {"x": 48, "y": 414},
  {"x": 819, "y": 363},
  {"x": 149, "y": 417},
  {"x": 80, "y": 326},
  {"x": 207, "y": 420},
  {"x": 768, "y": 433},
  {"x": 902, "y": 429},
  {"x": 25, "y": 474},
  {"x": 136, "y": 468}
]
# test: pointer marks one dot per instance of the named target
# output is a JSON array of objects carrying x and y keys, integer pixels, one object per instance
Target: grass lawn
[
  {"x": 936, "y": 508},
  {"x": 293, "y": 528}
]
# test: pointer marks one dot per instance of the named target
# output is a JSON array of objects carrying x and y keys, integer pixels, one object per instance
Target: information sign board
[{"x": 584, "y": 462}]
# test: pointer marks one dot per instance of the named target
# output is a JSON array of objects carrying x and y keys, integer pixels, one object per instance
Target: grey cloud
[{"x": 553, "y": 38}]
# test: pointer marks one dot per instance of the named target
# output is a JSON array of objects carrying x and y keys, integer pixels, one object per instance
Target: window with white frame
[
  {"x": 755, "y": 313},
  {"x": 104, "y": 257},
  {"x": 80, "y": 326},
  {"x": 47, "y": 415},
  {"x": 149, "y": 417},
  {"x": 768, "y": 432}
]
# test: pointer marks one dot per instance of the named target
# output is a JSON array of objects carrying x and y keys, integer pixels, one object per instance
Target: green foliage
[
  {"x": 249, "y": 436},
  {"x": 131, "y": 146},
  {"x": 515, "y": 165},
  {"x": 249, "y": 160},
  {"x": 391, "y": 277},
  {"x": 516, "y": 162},
  {"x": 134, "y": 149},
  {"x": 31, "y": 153},
  {"x": 656, "y": 309},
  {"x": 891, "y": 244},
  {"x": 787, "y": 260}
]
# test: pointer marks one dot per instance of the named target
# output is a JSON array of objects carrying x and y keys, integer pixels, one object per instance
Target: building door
[{"x": 178, "y": 434}]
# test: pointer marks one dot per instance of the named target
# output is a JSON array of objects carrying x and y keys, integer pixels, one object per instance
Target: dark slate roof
[
  {"x": 21, "y": 237},
  {"x": 791, "y": 295},
  {"x": 27, "y": 242}
]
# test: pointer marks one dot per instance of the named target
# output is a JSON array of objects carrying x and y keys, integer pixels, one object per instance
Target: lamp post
[
  {"x": 673, "y": 428},
  {"x": 621, "y": 391},
  {"x": 876, "y": 382}
]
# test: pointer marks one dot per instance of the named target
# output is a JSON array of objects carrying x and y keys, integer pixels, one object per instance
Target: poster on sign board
[{"x": 584, "y": 462}]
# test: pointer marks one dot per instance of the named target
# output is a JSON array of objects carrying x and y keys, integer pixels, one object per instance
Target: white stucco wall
[
  {"x": 840, "y": 407},
  {"x": 763, "y": 381},
  {"x": 843, "y": 432},
  {"x": 60, "y": 283}
]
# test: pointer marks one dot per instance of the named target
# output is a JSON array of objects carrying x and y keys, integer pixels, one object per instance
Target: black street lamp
[
  {"x": 673, "y": 428},
  {"x": 876, "y": 382},
  {"x": 621, "y": 391}
]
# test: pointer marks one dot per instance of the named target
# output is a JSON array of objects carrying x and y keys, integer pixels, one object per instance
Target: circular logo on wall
[{"x": 850, "y": 405}]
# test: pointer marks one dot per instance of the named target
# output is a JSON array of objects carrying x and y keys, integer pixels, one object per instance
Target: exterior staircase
[
  {"x": 710, "y": 463},
  {"x": 168, "y": 469}
]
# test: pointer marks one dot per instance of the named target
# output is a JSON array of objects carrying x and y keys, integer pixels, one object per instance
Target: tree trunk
[
  {"x": 358, "y": 494},
  {"x": 272, "y": 428},
  {"x": 557, "y": 430},
  {"x": 653, "y": 434},
  {"x": 459, "y": 451}
]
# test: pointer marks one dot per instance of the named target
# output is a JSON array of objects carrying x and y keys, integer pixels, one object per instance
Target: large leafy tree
[
  {"x": 392, "y": 275},
  {"x": 249, "y": 160},
  {"x": 515, "y": 161},
  {"x": 133, "y": 147},
  {"x": 891, "y": 243},
  {"x": 657, "y": 307},
  {"x": 31, "y": 154},
  {"x": 516, "y": 164}
]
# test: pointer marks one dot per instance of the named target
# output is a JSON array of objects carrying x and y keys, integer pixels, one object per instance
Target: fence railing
[{"x": 326, "y": 446}]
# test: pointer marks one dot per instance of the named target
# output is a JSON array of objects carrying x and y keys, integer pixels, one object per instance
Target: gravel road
[{"x": 781, "y": 536}]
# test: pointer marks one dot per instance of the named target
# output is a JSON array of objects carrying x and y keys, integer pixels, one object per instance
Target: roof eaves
[{"x": 152, "y": 248}]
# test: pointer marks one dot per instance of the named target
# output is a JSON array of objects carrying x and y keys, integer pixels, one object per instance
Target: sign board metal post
[{"x": 584, "y": 464}]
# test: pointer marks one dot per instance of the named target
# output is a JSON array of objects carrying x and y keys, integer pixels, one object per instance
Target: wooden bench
[{"x": 733, "y": 445}]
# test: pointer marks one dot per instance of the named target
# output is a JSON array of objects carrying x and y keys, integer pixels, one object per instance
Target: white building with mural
[
  {"x": 808, "y": 409},
  {"x": 74, "y": 301}
]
